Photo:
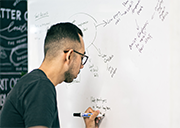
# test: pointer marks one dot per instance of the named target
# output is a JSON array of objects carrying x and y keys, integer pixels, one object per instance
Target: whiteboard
[{"x": 132, "y": 74}]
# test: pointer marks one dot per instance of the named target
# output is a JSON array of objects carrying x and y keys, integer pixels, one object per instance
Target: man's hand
[{"x": 92, "y": 121}]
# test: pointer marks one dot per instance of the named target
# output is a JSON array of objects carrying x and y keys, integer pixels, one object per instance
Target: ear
[{"x": 68, "y": 55}]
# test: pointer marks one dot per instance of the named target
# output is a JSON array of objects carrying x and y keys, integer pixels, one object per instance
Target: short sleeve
[{"x": 39, "y": 104}]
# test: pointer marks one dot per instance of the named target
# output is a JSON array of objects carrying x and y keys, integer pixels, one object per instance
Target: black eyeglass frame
[{"x": 81, "y": 55}]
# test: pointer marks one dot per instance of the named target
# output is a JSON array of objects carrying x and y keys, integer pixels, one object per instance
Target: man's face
[{"x": 75, "y": 67}]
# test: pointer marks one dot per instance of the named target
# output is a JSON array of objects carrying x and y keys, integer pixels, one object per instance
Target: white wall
[{"x": 133, "y": 71}]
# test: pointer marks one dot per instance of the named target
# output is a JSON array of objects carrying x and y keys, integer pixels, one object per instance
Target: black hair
[{"x": 59, "y": 32}]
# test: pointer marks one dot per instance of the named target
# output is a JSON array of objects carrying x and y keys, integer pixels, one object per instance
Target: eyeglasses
[{"x": 84, "y": 58}]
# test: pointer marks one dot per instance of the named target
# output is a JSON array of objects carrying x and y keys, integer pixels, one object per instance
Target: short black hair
[{"x": 58, "y": 32}]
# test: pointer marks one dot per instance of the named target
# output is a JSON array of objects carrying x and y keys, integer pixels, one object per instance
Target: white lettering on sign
[{"x": 10, "y": 14}]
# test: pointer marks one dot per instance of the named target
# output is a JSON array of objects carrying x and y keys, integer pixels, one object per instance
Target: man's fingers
[
  {"x": 89, "y": 110},
  {"x": 95, "y": 114},
  {"x": 93, "y": 121}
]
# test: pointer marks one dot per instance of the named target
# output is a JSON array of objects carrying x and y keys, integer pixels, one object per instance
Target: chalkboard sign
[
  {"x": 13, "y": 44},
  {"x": 132, "y": 75}
]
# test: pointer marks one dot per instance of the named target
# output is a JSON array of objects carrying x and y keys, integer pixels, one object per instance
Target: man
[{"x": 32, "y": 102}]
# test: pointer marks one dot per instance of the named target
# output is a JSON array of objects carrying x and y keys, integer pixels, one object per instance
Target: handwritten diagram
[{"x": 89, "y": 25}]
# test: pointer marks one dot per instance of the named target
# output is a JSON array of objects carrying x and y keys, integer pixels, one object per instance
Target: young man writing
[{"x": 32, "y": 102}]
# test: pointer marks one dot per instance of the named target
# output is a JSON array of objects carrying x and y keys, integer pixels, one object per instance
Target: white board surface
[{"x": 133, "y": 70}]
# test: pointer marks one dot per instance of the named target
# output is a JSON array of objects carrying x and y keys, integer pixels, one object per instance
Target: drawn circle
[{"x": 88, "y": 26}]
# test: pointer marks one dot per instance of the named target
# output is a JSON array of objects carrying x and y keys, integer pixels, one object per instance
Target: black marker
[{"x": 86, "y": 115}]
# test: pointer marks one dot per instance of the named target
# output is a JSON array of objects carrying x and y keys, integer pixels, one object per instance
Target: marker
[{"x": 86, "y": 115}]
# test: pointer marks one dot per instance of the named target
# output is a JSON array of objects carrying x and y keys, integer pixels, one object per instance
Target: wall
[{"x": 133, "y": 67}]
